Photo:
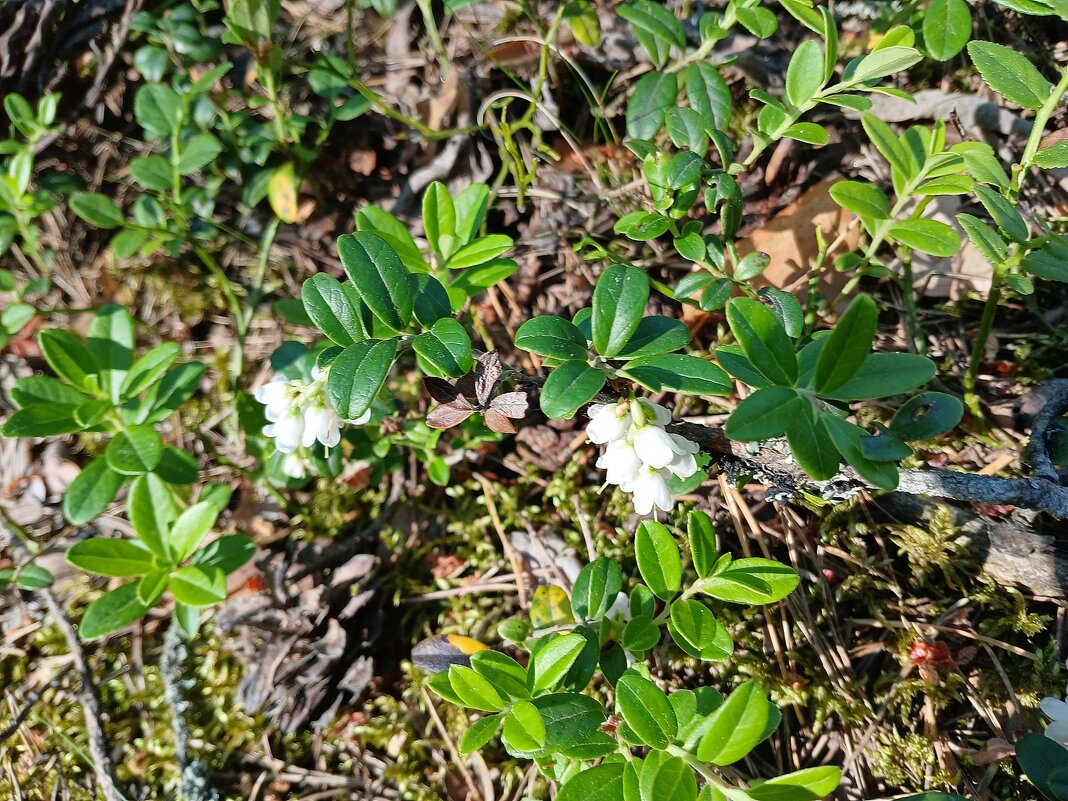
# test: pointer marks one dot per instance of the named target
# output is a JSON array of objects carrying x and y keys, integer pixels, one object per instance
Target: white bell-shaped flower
[
  {"x": 650, "y": 489},
  {"x": 287, "y": 430},
  {"x": 296, "y": 465},
  {"x": 321, "y": 423},
  {"x": 608, "y": 422},
  {"x": 620, "y": 462},
  {"x": 640, "y": 455},
  {"x": 276, "y": 395},
  {"x": 1057, "y": 711},
  {"x": 654, "y": 446}
]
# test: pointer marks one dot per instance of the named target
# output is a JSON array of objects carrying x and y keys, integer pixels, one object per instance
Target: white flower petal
[
  {"x": 620, "y": 463},
  {"x": 287, "y": 432},
  {"x": 654, "y": 446},
  {"x": 1058, "y": 730},
  {"x": 608, "y": 422},
  {"x": 650, "y": 488},
  {"x": 1055, "y": 709},
  {"x": 655, "y": 411},
  {"x": 294, "y": 466},
  {"x": 683, "y": 465}
]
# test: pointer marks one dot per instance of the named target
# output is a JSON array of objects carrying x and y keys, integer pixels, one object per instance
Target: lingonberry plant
[{"x": 821, "y": 409}]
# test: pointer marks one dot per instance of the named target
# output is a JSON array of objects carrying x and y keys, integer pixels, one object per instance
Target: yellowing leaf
[{"x": 282, "y": 193}]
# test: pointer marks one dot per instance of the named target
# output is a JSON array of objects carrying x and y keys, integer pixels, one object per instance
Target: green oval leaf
[
  {"x": 91, "y": 491},
  {"x": 135, "y": 450},
  {"x": 357, "y": 374},
  {"x": 568, "y": 387},
  {"x": 646, "y": 709},
  {"x": 658, "y": 558},
  {"x": 111, "y": 557},
  {"x": 765, "y": 414},
  {"x": 848, "y": 345},
  {"x": 1010, "y": 74},
  {"x": 680, "y": 372},
  {"x": 947, "y": 27},
  {"x": 111, "y": 612},
  {"x": 618, "y": 306},
  {"x": 736, "y": 727},
  {"x": 446, "y": 347},
  {"x": 378, "y": 276},
  {"x": 198, "y": 585}
]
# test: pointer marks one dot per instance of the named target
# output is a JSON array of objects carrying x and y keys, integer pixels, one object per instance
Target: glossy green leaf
[
  {"x": 357, "y": 375},
  {"x": 151, "y": 509},
  {"x": 737, "y": 726},
  {"x": 111, "y": 557},
  {"x": 548, "y": 335},
  {"x": 1004, "y": 214},
  {"x": 863, "y": 199},
  {"x": 189, "y": 530},
  {"x": 68, "y": 356},
  {"x": 696, "y": 631},
  {"x": 603, "y": 782},
  {"x": 480, "y": 733},
  {"x": 765, "y": 414},
  {"x": 947, "y": 27},
  {"x": 439, "y": 218},
  {"x": 709, "y": 94},
  {"x": 927, "y": 415},
  {"x": 378, "y": 276},
  {"x": 148, "y": 369},
  {"x": 618, "y": 307},
  {"x": 524, "y": 730},
  {"x": 763, "y": 340},
  {"x": 848, "y": 345},
  {"x": 91, "y": 492},
  {"x": 664, "y": 776},
  {"x": 198, "y": 152},
  {"x": 702, "y": 535},
  {"x": 654, "y": 95},
  {"x": 568, "y": 387},
  {"x": 335, "y": 308},
  {"x": 134, "y": 450},
  {"x": 227, "y": 553},
  {"x": 595, "y": 589},
  {"x": 503, "y": 672},
  {"x": 804, "y": 75},
  {"x": 646, "y": 710},
  {"x": 810, "y": 784},
  {"x": 985, "y": 239},
  {"x": 927, "y": 236},
  {"x": 885, "y": 61},
  {"x": 658, "y": 558},
  {"x": 549, "y": 664},
  {"x": 885, "y": 374},
  {"x": 640, "y": 634},
  {"x": 111, "y": 612},
  {"x": 97, "y": 210},
  {"x": 474, "y": 690},
  {"x": 654, "y": 336},
  {"x": 680, "y": 372},
  {"x": 446, "y": 347},
  {"x": 811, "y": 445},
  {"x": 198, "y": 585}
]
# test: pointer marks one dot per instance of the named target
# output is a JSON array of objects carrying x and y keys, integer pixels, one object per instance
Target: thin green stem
[
  {"x": 986, "y": 323},
  {"x": 1021, "y": 171}
]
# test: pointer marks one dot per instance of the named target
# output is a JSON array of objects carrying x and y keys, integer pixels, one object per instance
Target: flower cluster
[
  {"x": 640, "y": 456},
  {"x": 1057, "y": 711},
  {"x": 300, "y": 415}
]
